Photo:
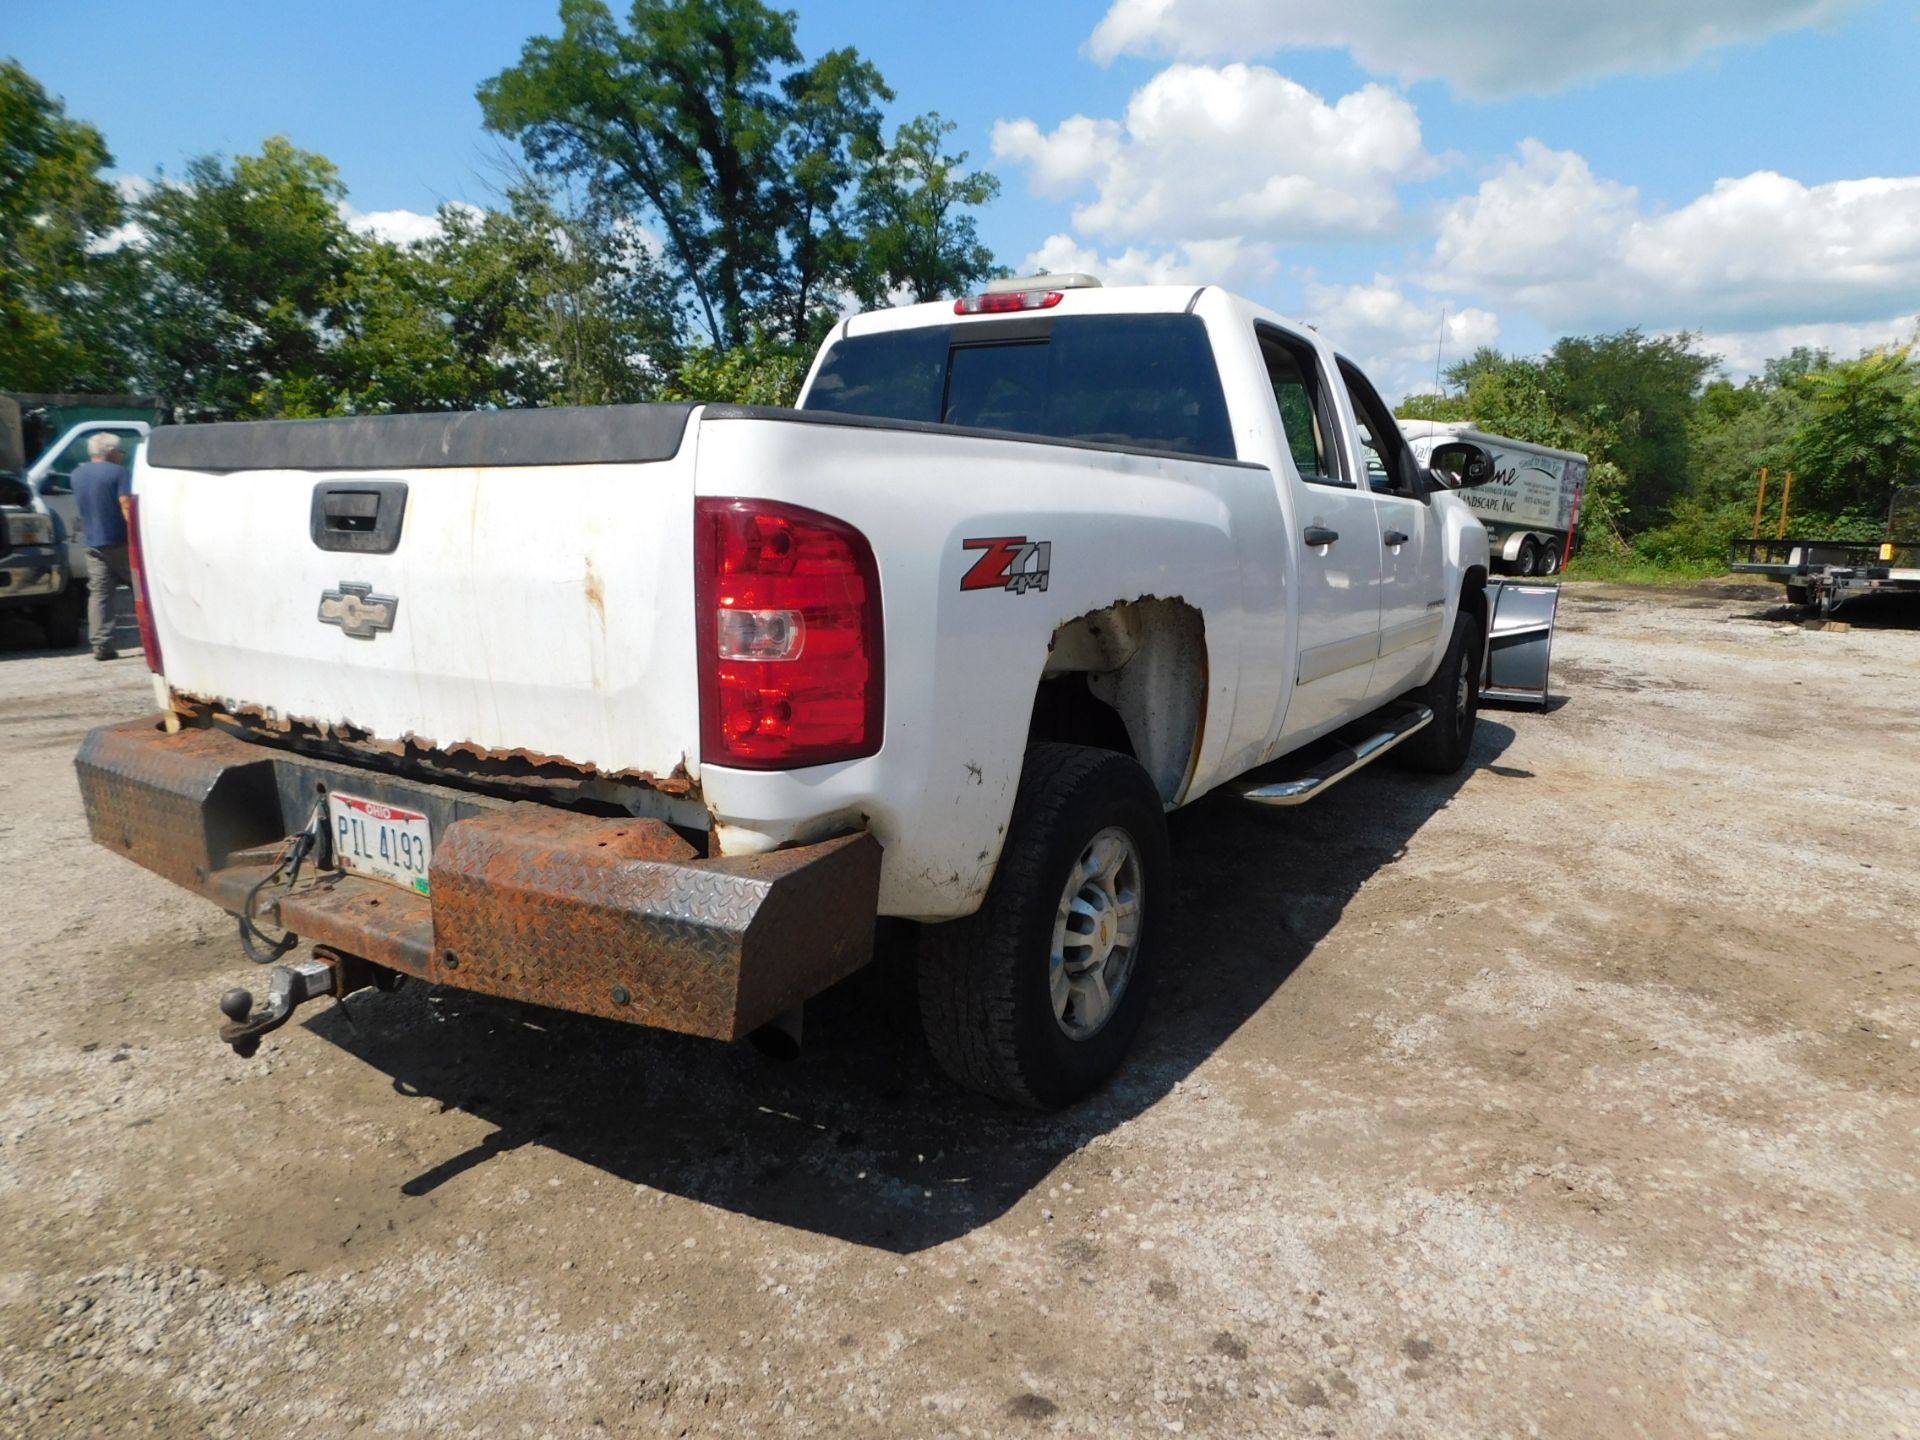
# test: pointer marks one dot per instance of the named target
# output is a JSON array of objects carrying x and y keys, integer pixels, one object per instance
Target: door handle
[
  {"x": 1394, "y": 537},
  {"x": 1320, "y": 535},
  {"x": 358, "y": 516}
]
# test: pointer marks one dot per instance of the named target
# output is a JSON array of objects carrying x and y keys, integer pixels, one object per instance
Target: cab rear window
[{"x": 1144, "y": 381}]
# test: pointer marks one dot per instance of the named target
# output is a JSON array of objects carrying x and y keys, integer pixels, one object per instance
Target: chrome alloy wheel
[{"x": 1095, "y": 933}]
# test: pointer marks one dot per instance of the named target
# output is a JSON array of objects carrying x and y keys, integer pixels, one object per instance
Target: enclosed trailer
[{"x": 1530, "y": 507}]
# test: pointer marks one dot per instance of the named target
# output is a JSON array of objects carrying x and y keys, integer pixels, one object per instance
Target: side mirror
[{"x": 1464, "y": 464}]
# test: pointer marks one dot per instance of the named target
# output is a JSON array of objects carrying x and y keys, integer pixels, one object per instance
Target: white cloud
[
  {"x": 402, "y": 227},
  {"x": 1746, "y": 353},
  {"x": 1228, "y": 262},
  {"x": 1575, "y": 249},
  {"x": 1394, "y": 337},
  {"x": 1079, "y": 152},
  {"x": 1238, "y": 152},
  {"x": 1483, "y": 48}
]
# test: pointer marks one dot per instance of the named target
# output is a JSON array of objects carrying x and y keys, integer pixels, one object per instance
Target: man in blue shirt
[{"x": 98, "y": 487}]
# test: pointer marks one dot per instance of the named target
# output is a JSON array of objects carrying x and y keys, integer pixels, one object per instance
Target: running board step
[{"x": 1378, "y": 734}]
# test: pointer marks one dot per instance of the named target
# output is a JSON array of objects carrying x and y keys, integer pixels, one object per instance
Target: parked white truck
[
  {"x": 1019, "y": 575},
  {"x": 1531, "y": 504}
]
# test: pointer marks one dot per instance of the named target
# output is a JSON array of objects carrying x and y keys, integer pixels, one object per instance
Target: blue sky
[{"x": 1512, "y": 169}]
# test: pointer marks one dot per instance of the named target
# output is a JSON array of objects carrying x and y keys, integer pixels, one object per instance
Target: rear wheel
[
  {"x": 1036, "y": 997},
  {"x": 1549, "y": 559},
  {"x": 1529, "y": 558},
  {"x": 1453, "y": 694}
]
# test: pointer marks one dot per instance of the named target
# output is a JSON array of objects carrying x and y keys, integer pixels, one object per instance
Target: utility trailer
[
  {"x": 1824, "y": 574},
  {"x": 1530, "y": 505}
]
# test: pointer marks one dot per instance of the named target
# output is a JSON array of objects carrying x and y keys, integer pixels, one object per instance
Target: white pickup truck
[{"x": 648, "y": 711}]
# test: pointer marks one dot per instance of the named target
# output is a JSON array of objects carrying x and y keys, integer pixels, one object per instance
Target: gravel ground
[{"x": 1577, "y": 1096}]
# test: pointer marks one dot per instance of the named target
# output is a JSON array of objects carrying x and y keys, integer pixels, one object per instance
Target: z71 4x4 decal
[{"x": 1011, "y": 562}]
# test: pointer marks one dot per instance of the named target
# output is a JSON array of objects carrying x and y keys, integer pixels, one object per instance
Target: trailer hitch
[{"x": 289, "y": 986}]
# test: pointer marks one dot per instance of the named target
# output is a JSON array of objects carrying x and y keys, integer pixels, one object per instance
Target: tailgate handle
[{"x": 359, "y": 516}]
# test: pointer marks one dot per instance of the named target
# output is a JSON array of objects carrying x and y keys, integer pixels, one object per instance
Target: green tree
[
  {"x": 702, "y": 115},
  {"x": 1737, "y": 429},
  {"x": 1860, "y": 440},
  {"x": 833, "y": 136},
  {"x": 1793, "y": 369},
  {"x": 918, "y": 236},
  {"x": 249, "y": 273},
  {"x": 1425, "y": 405},
  {"x": 1643, "y": 391},
  {"x": 761, "y": 370},
  {"x": 1463, "y": 372},
  {"x": 1625, "y": 399},
  {"x": 1519, "y": 397},
  {"x": 511, "y": 307},
  {"x": 54, "y": 211}
]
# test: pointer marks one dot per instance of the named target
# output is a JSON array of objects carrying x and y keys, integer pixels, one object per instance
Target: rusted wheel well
[
  {"x": 1067, "y": 712},
  {"x": 1129, "y": 677}
]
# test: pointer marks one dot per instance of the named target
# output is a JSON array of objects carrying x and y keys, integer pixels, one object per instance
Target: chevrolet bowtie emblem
[{"x": 357, "y": 610}]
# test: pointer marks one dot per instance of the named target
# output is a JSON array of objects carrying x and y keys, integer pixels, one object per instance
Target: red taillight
[
  {"x": 142, "y": 601},
  {"x": 998, "y": 302},
  {"x": 789, "y": 634}
]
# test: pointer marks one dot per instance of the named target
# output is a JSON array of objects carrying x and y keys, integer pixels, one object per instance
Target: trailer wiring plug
[{"x": 293, "y": 855}]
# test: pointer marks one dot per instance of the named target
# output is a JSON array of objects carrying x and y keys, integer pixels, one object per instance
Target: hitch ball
[{"x": 237, "y": 1006}]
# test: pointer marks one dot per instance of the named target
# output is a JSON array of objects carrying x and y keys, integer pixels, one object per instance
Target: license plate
[{"x": 382, "y": 841}]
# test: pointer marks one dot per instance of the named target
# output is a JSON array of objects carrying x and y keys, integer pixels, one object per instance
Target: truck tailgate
[{"x": 540, "y": 601}]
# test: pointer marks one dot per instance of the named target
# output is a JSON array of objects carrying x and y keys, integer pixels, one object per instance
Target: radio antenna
[{"x": 1439, "y": 344}]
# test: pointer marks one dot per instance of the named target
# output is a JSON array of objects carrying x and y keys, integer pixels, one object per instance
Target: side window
[
  {"x": 1391, "y": 468},
  {"x": 1306, "y": 419},
  {"x": 130, "y": 442},
  {"x": 59, "y": 479}
]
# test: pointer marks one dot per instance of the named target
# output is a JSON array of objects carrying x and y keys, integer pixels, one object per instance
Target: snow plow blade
[{"x": 1519, "y": 642}]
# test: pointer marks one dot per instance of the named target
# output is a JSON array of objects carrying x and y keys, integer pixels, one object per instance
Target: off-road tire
[
  {"x": 984, "y": 999},
  {"x": 1442, "y": 748}
]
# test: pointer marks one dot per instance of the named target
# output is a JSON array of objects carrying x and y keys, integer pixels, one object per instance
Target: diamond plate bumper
[{"x": 612, "y": 917}]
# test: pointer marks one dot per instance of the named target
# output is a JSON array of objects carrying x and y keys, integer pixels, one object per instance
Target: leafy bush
[{"x": 759, "y": 371}]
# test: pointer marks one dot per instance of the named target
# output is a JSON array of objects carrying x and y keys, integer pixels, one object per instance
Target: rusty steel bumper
[{"x": 616, "y": 917}]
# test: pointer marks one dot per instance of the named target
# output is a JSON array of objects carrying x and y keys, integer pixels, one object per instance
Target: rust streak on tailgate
[{"x": 458, "y": 756}]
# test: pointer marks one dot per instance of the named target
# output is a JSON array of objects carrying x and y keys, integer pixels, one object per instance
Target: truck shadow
[{"x": 862, "y": 1138}]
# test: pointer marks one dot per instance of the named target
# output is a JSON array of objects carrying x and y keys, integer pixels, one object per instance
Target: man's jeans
[{"x": 106, "y": 568}]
